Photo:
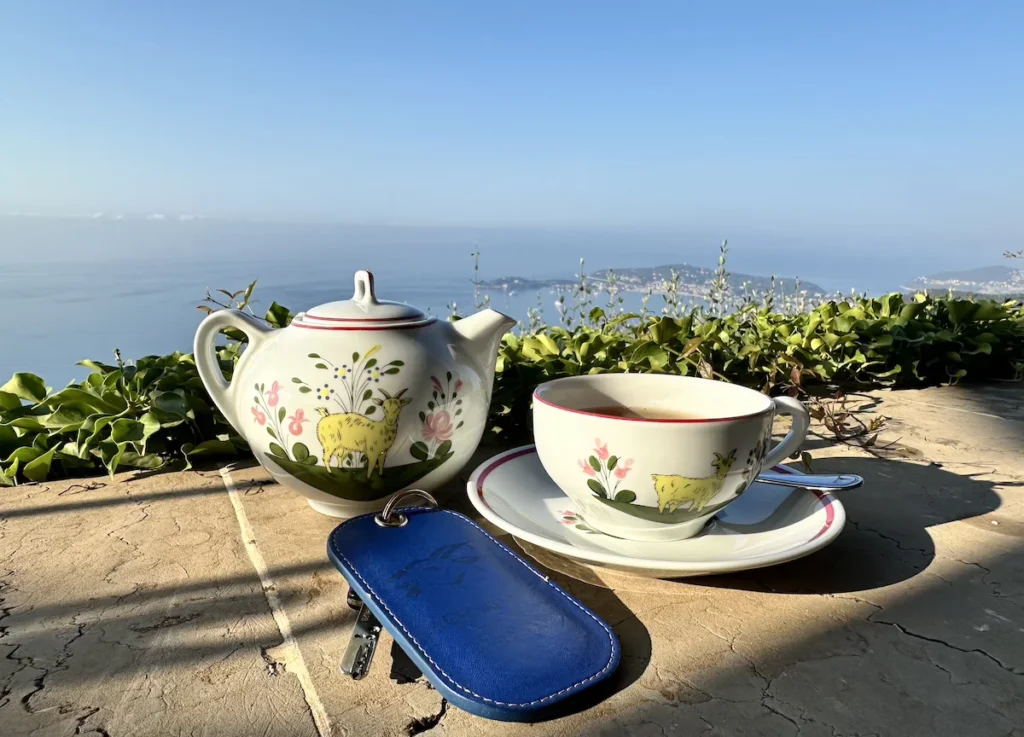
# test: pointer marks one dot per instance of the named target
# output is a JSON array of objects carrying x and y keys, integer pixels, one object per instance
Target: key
[
  {"x": 353, "y": 600},
  {"x": 360, "y": 650}
]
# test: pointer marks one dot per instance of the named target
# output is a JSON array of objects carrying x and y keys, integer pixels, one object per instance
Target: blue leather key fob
[{"x": 492, "y": 634}]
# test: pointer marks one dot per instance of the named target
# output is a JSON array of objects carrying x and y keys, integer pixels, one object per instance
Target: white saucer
[{"x": 765, "y": 526}]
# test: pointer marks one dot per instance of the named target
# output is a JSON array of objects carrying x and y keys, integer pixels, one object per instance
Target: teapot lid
[{"x": 364, "y": 310}]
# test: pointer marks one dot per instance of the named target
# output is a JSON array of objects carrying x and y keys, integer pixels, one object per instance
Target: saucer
[{"x": 767, "y": 525}]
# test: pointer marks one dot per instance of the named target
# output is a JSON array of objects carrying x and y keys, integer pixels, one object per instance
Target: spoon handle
[{"x": 816, "y": 481}]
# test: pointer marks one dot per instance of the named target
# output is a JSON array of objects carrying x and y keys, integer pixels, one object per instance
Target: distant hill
[
  {"x": 693, "y": 281},
  {"x": 994, "y": 281}
]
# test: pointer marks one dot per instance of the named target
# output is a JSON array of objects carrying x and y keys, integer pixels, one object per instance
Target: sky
[{"x": 895, "y": 120}]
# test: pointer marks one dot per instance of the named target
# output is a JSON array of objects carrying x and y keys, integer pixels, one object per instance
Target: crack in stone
[
  {"x": 172, "y": 620},
  {"x": 863, "y": 528},
  {"x": 39, "y": 683},
  {"x": 978, "y": 651},
  {"x": 425, "y": 724},
  {"x": 773, "y": 710},
  {"x": 106, "y": 639},
  {"x": 80, "y": 723}
]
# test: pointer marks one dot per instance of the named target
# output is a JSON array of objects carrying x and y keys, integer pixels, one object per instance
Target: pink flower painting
[
  {"x": 272, "y": 395},
  {"x": 606, "y": 473},
  {"x": 295, "y": 422},
  {"x": 622, "y": 470},
  {"x": 259, "y": 416},
  {"x": 438, "y": 426}
]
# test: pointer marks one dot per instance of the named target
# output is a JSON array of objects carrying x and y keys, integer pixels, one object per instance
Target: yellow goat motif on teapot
[
  {"x": 351, "y": 432},
  {"x": 674, "y": 491}
]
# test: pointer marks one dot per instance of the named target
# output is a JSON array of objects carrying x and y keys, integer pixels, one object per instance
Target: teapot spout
[{"x": 481, "y": 334}]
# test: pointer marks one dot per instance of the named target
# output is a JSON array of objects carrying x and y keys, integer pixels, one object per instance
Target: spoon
[{"x": 815, "y": 481}]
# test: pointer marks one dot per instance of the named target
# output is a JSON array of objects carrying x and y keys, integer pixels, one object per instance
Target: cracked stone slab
[{"x": 131, "y": 607}]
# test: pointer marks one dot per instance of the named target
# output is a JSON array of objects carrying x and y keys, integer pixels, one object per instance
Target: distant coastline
[
  {"x": 995, "y": 282},
  {"x": 694, "y": 281}
]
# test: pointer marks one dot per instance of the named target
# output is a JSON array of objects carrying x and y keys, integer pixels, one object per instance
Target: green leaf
[
  {"x": 172, "y": 403},
  {"x": 281, "y": 414},
  {"x": 597, "y": 488},
  {"x": 960, "y": 310},
  {"x": 23, "y": 455},
  {"x": 26, "y": 386},
  {"x": 277, "y": 450},
  {"x": 109, "y": 403},
  {"x": 66, "y": 419},
  {"x": 419, "y": 451},
  {"x": 278, "y": 316},
  {"x": 321, "y": 366},
  {"x": 613, "y": 461},
  {"x": 271, "y": 433},
  {"x": 594, "y": 463},
  {"x": 212, "y": 448},
  {"x": 132, "y": 459},
  {"x": 125, "y": 430},
  {"x": 150, "y": 425},
  {"x": 313, "y": 355},
  {"x": 304, "y": 390},
  {"x": 443, "y": 448},
  {"x": 300, "y": 452},
  {"x": 653, "y": 353},
  {"x": 626, "y": 496},
  {"x": 9, "y": 401},
  {"x": 370, "y": 410},
  {"x": 367, "y": 394}
]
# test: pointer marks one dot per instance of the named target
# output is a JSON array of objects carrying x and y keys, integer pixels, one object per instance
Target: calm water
[{"x": 78, "y": 289}]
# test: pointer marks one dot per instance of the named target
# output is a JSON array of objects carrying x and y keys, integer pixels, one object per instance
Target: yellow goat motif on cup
[
  {"x": 675, "y": 491},
  {"x": 351, "y": 432}
]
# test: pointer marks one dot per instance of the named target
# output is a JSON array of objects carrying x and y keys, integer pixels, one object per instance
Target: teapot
[{"x": 357, "y": 399}]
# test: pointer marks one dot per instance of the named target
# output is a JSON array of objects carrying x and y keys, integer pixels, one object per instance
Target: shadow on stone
[
  {"x": 944, "y": 659},
  {"x": 886, "y": 537}
]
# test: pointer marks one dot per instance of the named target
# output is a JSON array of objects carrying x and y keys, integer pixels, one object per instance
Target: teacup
[{"x": 653, "y": 457}]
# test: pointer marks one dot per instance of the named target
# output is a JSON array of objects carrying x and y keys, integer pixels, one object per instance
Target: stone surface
[{"x": 167, "y": 605}]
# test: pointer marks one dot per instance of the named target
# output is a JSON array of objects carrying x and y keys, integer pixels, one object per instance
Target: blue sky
[{"x": 897, "y": 118}]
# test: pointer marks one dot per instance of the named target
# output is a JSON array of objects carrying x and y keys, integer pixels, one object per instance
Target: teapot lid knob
[
  {"x": 363, "y": 312},
  {"x": 364, "y": 292}
]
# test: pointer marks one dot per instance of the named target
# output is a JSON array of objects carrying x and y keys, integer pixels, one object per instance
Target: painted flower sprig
[
  {"x": 349, "y": 385},
  {"x": 607, "y": 472},
  {"x": 441, "y": 418},
  {"x": 267, "y": 411}
]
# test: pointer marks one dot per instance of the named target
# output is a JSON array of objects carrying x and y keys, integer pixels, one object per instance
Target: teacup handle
[{"x": 790, "y": 443}]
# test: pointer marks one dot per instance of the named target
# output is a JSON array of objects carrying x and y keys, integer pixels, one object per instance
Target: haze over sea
[
  {"x": 854, "y": 145},
  {"x": 133, "y": 284}
]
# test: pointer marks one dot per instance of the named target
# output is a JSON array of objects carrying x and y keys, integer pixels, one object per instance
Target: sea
[{"x": 76, "y": 288}]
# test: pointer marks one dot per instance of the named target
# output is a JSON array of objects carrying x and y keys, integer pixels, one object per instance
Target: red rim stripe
[
  {"x": 663, "y": 420},
  {"x": 362, "y": 319},
  {"x": 396, "y": 326},
  {"x": 499, "y": 462},
  {"x": 823, "y": 497}
]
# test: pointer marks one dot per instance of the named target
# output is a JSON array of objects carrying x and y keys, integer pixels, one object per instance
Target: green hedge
[{"x": 155, "y": 413}]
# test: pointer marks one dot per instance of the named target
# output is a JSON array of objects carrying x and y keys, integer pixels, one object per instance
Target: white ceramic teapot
[{"x": 357, "y": 399}]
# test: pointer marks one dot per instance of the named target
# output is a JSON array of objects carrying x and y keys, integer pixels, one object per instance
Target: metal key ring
[{"x": 388, "y": 517}]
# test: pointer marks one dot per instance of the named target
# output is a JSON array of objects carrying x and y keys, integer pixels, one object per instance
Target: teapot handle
[{"x": 220, "y": 390}]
